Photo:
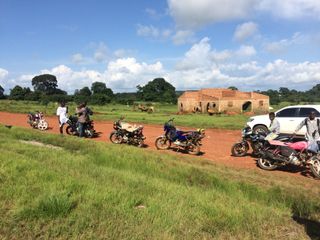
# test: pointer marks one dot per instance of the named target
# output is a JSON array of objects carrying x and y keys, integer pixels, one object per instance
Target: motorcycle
[
  {"x": 189, "y": 141},
  {"x": 36, "y": 120},
  {"x": 298, "y": 153},
  {"x": 73, "y": 129},
  {"x": 126, "y": 133},
  {"x": 249, "y": 138}
]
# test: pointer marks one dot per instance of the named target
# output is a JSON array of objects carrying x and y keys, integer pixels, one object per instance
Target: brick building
[{"x": 218, "y": 100}]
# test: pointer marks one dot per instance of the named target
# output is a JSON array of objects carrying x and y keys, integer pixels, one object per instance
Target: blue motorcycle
[{"x": 189, "y": 141}]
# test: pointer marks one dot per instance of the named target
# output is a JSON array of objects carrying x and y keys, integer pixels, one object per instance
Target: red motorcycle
[{"x": 279, "y": 153}]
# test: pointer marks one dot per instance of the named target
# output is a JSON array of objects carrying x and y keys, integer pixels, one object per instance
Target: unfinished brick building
[{"x": 219, "y": 100}]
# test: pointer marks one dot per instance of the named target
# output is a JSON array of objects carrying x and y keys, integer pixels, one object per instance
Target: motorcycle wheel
[
  {"x": 140, "y": 143},
  {"x": 114, "y": 138},
  {"x": 194, "y": 149},
  {"x": 88, "y": 133},
  {"x": 239, "y": 150},
  {"x": 42, "y": 125},
  {"x": 69, "y": 131},
  {"x": 266, "y": 164},
  {"x": 162, "y": 143},
  {"x": 315, "y": 167}
]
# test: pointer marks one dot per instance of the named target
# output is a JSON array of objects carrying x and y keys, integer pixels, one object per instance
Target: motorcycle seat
[{"x": 130, "y": 128}]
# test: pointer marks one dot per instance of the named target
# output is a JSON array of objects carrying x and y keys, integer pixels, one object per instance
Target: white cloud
[
  {"x": 153, "y": 32},
  {"x": 278, "y": 47},
  {"x": 245, "y": 31},
  {"x": 291, "y": 9},
  {"x": 147, "y": 31},
  {"x": 246, "y": 51},
  {"x": 127, "y": 73},
  {"x": 77, "y": 58},
  {"x": 3, "y": 73},
  {"x": 190, "y": 14},
  {"x": 194, "y": 14},
  {"x": 182, "y": 37},
  {"x": 101, "y": 52}
]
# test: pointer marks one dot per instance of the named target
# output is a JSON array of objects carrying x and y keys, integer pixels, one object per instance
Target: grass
[
  {"x": 113, "y": 111},
  {"x": 94, "y": 190}
]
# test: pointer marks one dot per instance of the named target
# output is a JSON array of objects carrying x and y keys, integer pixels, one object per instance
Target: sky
[{"x": 193, "y": 44}]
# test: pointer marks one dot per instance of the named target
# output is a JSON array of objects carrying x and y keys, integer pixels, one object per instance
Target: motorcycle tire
[
  {"x": 265, "y": 164},
  {"x": 141, "y": 144},
  {"x": 42, "y": 125},
  {"x": 315, "y": 167},
  {"x": 162, "y": 143},
  {"x": 114, "y": 138},
  {"x": 194, "y": 149},
  {"x": 89, "y": 133},
  {"x": 69, "y": 131},
  {"x": 239, "y": 150}
]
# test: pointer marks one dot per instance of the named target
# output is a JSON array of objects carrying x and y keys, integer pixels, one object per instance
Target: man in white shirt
[
  {"x": 62, "y": 111},
  {"x": 274, "y": 128}
]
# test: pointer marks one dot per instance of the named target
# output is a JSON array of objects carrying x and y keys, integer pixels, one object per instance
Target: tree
[
  {"x": 19, "y": 93},
  {"x": 233, "y": 88},
  {"x": 82, "y": 95},
  {"x": 45, "y": 83},
  {"x": 101, "y": 88},
  {"x": 1, "y": 92},
  {"x": 157, "y": 90}
]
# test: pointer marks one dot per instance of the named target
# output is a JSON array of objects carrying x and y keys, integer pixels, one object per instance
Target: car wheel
[{"x": 261, "y": 129}]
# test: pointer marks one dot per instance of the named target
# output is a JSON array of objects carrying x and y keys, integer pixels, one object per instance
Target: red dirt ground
[{"x": 216, "y": 145}]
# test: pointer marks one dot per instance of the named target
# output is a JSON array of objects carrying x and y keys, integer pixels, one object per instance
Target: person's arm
[{"x": 300, "y": 126}]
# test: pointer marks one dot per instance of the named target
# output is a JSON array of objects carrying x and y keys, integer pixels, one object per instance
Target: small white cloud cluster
[{"x": 190, "y": 14}]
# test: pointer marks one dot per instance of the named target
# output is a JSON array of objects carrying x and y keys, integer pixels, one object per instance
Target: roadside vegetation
[
  {"x": 111, "y": 112},
  {"x": 83, "y": 189}
]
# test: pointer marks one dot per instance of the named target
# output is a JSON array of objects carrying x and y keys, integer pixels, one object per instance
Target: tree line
[{"x": 45, "y": 90}]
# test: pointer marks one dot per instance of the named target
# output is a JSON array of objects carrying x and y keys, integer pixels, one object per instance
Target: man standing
[
  {"x": 274, "y": 128},
  {"x": 313, "y": 127},
  {"x": 62, "y": 111},
  {"x": 82, "y": 118}
]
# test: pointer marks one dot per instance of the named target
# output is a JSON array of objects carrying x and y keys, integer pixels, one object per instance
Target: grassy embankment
[
  {"x": 90, "y": 190},
  {"x": 163, "y": 112}
]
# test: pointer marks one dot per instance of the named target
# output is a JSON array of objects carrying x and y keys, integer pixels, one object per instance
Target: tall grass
[{"x": 90, "y": 190}]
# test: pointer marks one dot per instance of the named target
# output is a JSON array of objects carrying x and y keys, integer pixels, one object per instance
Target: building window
[
  {"x": 230, "y": 104},
  {"x": 261, "y": 103}
]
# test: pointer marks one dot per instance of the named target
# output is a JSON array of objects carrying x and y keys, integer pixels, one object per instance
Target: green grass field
[
  {"x": 163, "y": 112},
  {"x": 92, "y": 190}
]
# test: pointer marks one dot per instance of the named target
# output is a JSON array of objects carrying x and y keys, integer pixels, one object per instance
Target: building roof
[{"x": 221, "y": 94}]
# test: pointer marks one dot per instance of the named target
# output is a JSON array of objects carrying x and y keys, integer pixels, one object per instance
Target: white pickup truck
[{"x": 288, "y": 117}]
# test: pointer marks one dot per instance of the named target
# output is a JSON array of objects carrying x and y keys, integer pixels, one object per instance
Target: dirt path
[{"x": 216, "y": 145}]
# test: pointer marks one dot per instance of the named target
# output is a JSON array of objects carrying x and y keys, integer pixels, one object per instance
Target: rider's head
[
  {"x": 312, "y": 115},
  {"x": 62, "y": 104},
  {"x": 272, "y": 116}
]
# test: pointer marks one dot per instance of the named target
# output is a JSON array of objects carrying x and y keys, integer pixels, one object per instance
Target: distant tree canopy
[
  {"x": 45, "y": 83},
  {"x": 20, "y": 93},
  {"x": 1, "y": 92},
  {"x": 233, "y": 88},
  {"x": 158, "y": 90}
]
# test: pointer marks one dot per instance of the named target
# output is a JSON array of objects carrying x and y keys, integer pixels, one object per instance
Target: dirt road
[{"x": 216, "y": 145}]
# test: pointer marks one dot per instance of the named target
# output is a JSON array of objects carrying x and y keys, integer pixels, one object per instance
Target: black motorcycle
[
  {"x": 134, "y": 136},
  {"x": 72, "y": 128},
  {"x": 189, "y": 141},
  {"x": 249, "y": 138}
]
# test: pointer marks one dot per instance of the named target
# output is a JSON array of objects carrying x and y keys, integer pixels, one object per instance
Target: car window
[
  {"x": 304, "y": 112},
  {"x": 289, "y": 112}
]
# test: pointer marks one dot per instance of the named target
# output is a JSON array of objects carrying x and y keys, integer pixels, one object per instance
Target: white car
[{"x": 288, "y": 117}]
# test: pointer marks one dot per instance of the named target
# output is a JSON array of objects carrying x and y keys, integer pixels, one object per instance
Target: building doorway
[{"x": 247, "y": 107}]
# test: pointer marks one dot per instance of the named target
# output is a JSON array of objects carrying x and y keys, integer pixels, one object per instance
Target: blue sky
[{"x": 251, "y": 44}]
